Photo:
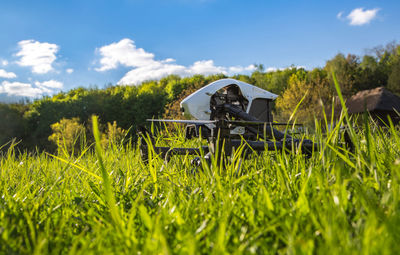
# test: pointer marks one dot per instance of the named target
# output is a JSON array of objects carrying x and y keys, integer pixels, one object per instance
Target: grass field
[{"x": 108, "y": 201}]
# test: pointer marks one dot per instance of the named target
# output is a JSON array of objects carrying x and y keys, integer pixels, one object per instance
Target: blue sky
[{"x": 48, "y": 46}]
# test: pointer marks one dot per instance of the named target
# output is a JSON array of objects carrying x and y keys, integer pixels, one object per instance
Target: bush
[
  {"x": 69, "y": 135},
  {"x": 114, "y": 135}
]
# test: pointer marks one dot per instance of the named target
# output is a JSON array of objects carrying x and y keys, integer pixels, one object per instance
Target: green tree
[
  {"x": 12, "y": 123},
  {"x": 345, "y": 69},
  {"x": 113, "y": 135},
  {"x": 275, "y": 81},
  {"x": 370, "y": 74},
  {"x": 69, "y": 135},
  {"x": 394, "y": 76},
  {"x": 316, "y": 89}
]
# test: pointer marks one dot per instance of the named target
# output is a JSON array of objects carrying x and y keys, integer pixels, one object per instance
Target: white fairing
[{"x": 197, "y": 105}]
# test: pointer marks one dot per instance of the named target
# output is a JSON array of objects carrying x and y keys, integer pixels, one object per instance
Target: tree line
[{"x": 50, "y": 121}]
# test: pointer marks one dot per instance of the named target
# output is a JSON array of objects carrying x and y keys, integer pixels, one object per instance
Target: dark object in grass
[{"x": 228, "y": 113}]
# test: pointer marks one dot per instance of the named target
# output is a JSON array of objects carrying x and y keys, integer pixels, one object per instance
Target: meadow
[{"x": 106, "y": 200}]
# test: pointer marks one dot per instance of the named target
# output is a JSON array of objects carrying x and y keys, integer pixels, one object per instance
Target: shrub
[{"x": 69, "y": 135}]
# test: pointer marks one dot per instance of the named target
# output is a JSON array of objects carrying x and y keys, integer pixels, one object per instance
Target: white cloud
[
  {"x": 359, "y": 16},
  {"x": 160, "y": 70},
  {"x": 7, "y": 75},
  {"x": 19, "y": 89},
  {"x": 124, "y": 53},
  {"x": 145, "y": 67},
  {"x": 27, "y": 90},
  {"x": 69, "y": 70},
  {"x": 205, "y": 67},
  {"x": 144, "y": 73},
  {"x": 4, "y": 62},
  {"x": 339, "y": 15},
  {"x": 50, "y": 84},
  {"x": 39, "y": 56}
]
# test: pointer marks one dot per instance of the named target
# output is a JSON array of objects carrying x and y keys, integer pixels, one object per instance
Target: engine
[{"x": 227, "y": 99}]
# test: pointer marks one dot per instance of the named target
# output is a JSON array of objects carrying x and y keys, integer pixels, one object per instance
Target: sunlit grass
[{"x": 108, "y": 200}]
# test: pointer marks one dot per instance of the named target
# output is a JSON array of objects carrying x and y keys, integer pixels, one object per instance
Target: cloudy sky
[{"x": 51, "y": 46}]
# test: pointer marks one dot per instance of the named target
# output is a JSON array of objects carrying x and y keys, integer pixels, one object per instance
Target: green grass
[{"x": 108, "y": 201}]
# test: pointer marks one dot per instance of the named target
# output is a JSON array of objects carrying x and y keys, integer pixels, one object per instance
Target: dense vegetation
[
  {"x": 129, "y": 106},
  {"x": 109, "y": 201},
  {"x": 93, "y": 194}
]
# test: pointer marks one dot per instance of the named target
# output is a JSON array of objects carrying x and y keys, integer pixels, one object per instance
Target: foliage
[
  {"x": 106, "y": 201},
  {"x": 345, "y": 69},
  {"x": 113, "y": 135},
  {"x": 375, "y": 70},
  {"x": 12, "y": 123},
  {"x": 69, "y": 135},
  {"x": 317, "y": 92},
  {"x": 335, "y": 202},
  {"x": 394, "y": 76},
  {"x": 130, "y": 106},
  {"x": 275, "y": 81},
  {"x": 126, "y": 105}
]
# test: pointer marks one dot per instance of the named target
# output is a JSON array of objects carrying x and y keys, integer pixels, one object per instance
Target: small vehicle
[{"x": 228, "y": 113}]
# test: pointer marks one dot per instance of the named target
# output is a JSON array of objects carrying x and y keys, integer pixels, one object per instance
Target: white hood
[{"x": 197, "y": 105}]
